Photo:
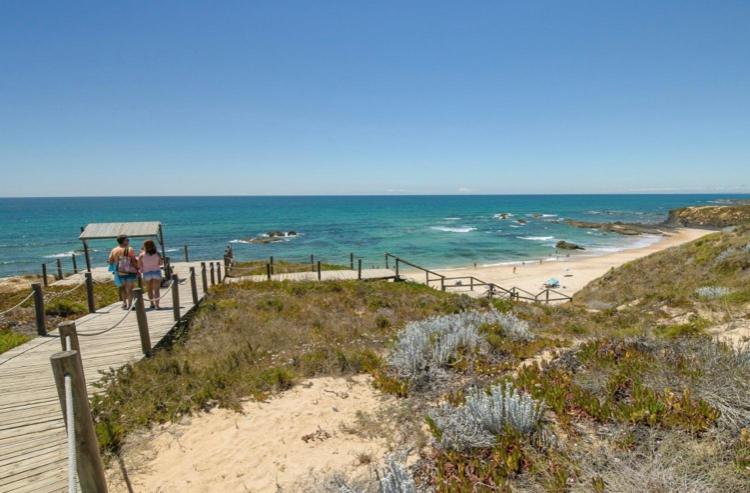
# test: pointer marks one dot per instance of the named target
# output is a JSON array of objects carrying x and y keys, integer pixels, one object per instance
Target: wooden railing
[{"x": 547, "y": 295}]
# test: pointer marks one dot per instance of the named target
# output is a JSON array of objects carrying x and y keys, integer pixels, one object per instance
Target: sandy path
[
  {"x": 573, "y": 272},
  {"x": 279, "y": 443}
]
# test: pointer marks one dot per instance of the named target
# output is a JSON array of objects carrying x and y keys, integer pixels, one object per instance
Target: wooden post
[
  {"x": 167, "y": 267},
  {"x": 397, "y": 269},
  {"x": 41, "y": 317},
  {"x": 268, "y": 271},
  {"x": 87, "y": 256},
  {"x": 90, "y": 468},
  {"x": 546, "y": 292},
  {"x": 58, "y": 261},
  {"x": 187, "y": 257},
  {"x": 270, "y": 262},
  {"x": 44, "y": 275},
  {"x": 442, "y": 283},
  {"x": 427, "y": 278},
  {"x": 75, "y": 264},
  {"x": 176, "y": 297},
  {"x": 90, "y": 292},
  {"x": 471, "y": 283},
  {"x": 359, "y": 269},
  {"x": 386, "y": 260},
  {"x": 193, "y": 286},
  {"x": 204, "y": 279},
  {"x": 213, "y": 275},
  {"x": 65, "y": 330},
  {"x": 319, "y": 274},
  {"x": 218, "y": 272},
  {"x": 140, "y": 312},
  {"x": 351, "y": 261}
]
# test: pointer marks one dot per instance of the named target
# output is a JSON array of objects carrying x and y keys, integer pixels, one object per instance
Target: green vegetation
[
  {"x": 251, "y": 339},
  {"x": 18, "y": 326},
  {"x": 634, "y": 391},
  {"x": 672, "y": 277},
  {"x": 10, "y": 339}
]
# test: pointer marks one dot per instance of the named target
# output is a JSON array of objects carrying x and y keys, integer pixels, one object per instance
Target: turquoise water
[{"x": 438, "y": 231}]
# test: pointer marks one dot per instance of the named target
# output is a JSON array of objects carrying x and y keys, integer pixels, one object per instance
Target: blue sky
[{"x": 143, "y": 98}]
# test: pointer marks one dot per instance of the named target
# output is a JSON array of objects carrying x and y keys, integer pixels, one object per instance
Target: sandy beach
[{"x": 573, "y": 272}]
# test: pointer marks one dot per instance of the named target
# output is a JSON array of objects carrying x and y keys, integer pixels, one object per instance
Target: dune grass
[
  {"x": 251, "y": 339},
  {"x": 677, "y": 275}
]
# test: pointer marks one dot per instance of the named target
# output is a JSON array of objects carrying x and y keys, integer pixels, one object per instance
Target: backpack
[{"x": 125, "y": 263}]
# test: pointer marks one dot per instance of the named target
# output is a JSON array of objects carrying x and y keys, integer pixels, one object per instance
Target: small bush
[
  {"x": 65, "y": 308},
  {"x": 396, "y": 478},
  {"x": 712, "y": 292},
  {"x": 486, "y": 415},
  {"x": 10, "y": 339},
  {"x": 426, "y": 347}
]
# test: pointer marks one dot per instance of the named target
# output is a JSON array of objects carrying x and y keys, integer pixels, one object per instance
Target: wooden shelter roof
[{"x": 99, "y": 231}]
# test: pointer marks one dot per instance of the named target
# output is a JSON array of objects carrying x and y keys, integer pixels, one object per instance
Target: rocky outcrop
[
  {"x": 272, "y": 237},
  {"x": 629, "y": 229},
  {"x": 566, "y": 245},
  {"x": 710, "y": 216}
]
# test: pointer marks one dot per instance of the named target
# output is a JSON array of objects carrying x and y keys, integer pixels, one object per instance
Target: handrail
[
  {"x": 399, "y": 259},
  {"x": 513, "y": 293}
]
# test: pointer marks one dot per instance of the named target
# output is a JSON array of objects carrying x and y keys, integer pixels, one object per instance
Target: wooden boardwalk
[
  {"x": 325, "y": 275},
  {"x": 33, "y": 454}
]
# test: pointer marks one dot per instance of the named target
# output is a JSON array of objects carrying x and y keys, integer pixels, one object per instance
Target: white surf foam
[
  {"x": 61, "y": 255},
  {"x": 536, "y": 238},
  {"x": 463, "y": 229}
]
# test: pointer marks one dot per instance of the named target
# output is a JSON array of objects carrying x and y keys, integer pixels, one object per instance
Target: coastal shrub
[
  {"x": 484, "y": 415},
  {"x": 721, "y": 378},
  {"x": 513, "y": 327},
  {"x": 396, "y": 478},
  {"x": 712, "y": 292},
  {"x": 10, "y": 339},
  {"x": 65, "y": 308},
  {"x": 425, "y": 348}
]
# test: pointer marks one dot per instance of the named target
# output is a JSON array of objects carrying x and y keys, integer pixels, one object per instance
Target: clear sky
[{"x": 323, "y": 97}]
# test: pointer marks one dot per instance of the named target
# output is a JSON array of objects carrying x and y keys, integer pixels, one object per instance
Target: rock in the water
[
  {"x": 566, "y": 245},
  {"x": 628, "y": 229},
  {"x": 272, "y": 236}
]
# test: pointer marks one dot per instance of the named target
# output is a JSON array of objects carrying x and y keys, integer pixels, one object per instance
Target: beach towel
[{"x": 115, "y": 274}]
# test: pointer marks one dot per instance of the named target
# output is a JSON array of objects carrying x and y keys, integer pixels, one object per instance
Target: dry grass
[
  {"x": 674, "y": 275},
  {"x": 250, "y": 339}
]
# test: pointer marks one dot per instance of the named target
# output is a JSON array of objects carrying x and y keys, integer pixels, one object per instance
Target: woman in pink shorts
[{"x": 149, "y": 262}]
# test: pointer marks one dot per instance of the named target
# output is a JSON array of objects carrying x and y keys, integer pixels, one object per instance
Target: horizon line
[{"x": 453, "y": 194}]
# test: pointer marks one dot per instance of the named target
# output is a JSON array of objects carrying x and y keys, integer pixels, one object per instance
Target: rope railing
[
  {"x": 70, "y": 419},
  {"x": 57, "y": 294},
  {"x": 116, "y": 324},
  {"x": 17, "y": 305}
]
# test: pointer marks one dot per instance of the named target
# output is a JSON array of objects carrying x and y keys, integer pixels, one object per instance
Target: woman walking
[
  {"x": 125, "y": 263},
  {"x": 150, "y": 264}
]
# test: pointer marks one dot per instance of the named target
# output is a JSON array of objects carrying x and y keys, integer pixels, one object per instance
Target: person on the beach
[
  {"x": 514, "y": 269},
  {"x": 126, "y": 263},
  {"x": 150, "y": 262}
]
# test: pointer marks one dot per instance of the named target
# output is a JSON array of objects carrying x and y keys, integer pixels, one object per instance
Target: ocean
[{"x": 436, "y": 231}]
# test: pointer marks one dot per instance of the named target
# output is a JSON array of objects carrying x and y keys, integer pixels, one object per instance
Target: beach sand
[
  {"x": 573, "y": 272},
  {"x": 294, "y": 437}
]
